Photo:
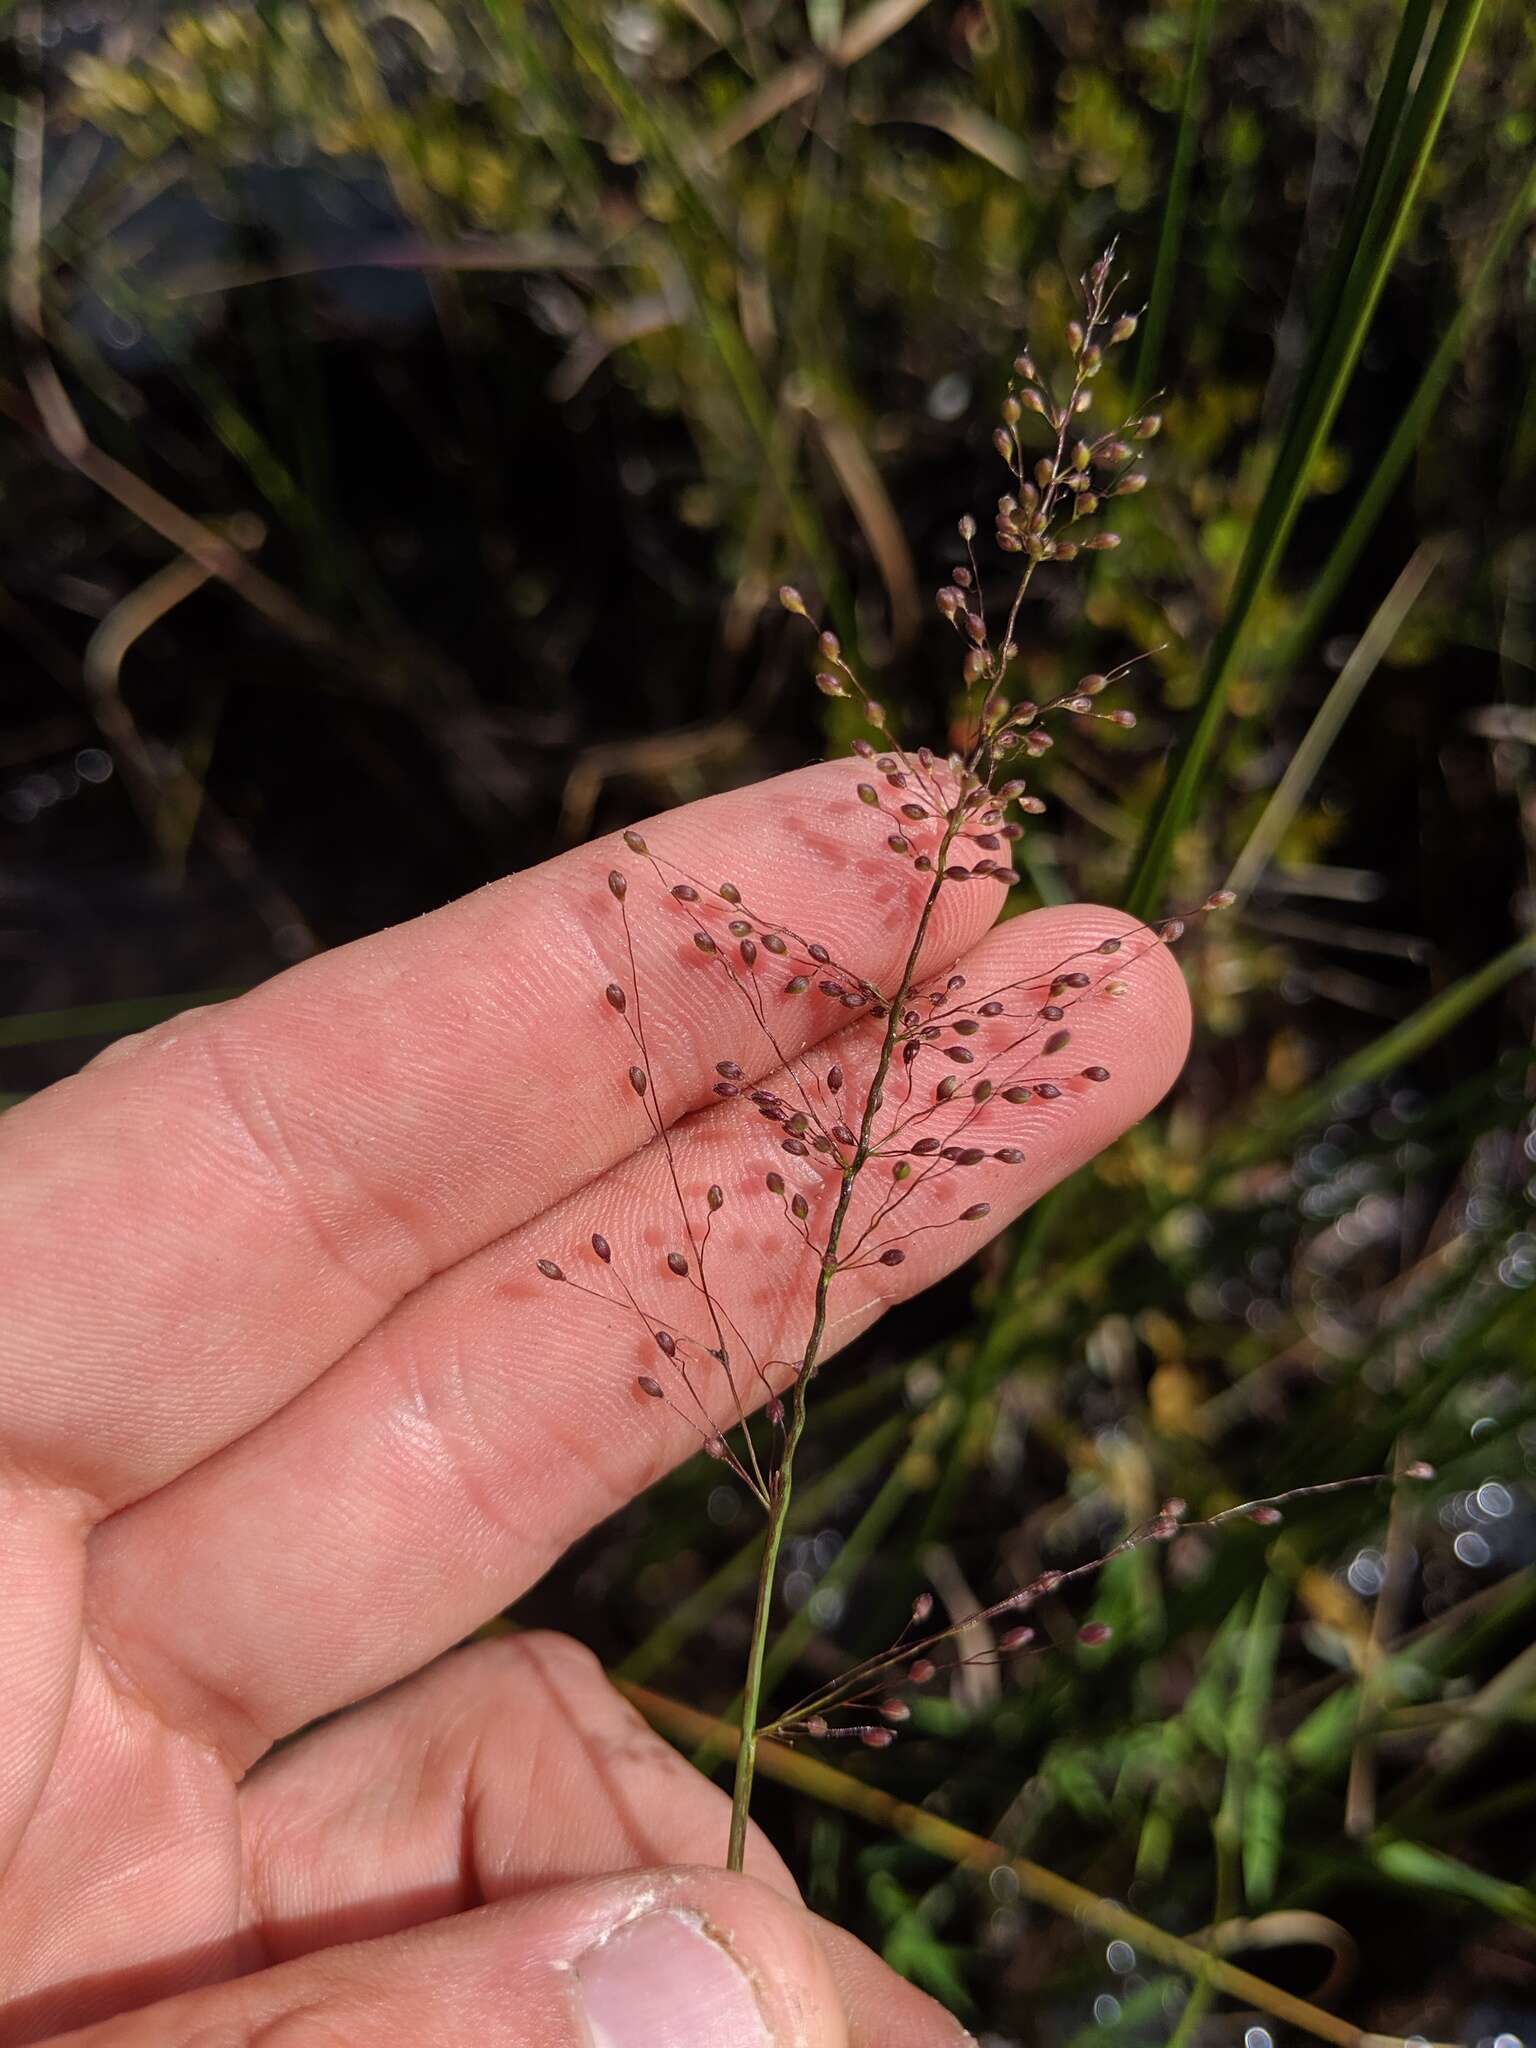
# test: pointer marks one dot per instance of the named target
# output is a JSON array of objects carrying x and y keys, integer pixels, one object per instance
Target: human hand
[{"x": 286, "y": 1412}]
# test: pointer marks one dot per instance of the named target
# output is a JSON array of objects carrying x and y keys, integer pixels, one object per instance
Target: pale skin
[{"x": 286, "y": 1413}]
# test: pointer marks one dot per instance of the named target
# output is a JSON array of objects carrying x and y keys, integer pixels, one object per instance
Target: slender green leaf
[
  {"x": 1072, "y": 1773},
  {"x": 1245, "y": 1733},
  {"x": 1384, "y": 1055},
  {"x": 1386, "y": 125},
  {"x": 1406, "y": 436},
  {"x": 1318, "y": 399},
  {"x": 103, "y": 1020},
  {"x": 1429, "y": 1870},
  {"x": 1328, "y": 722},
  {"x": 1264, "y": 1827},
  {"x": 911, "y": 1946},
  {"x": 1201, "y": 1723},
  {"x": 1170, "y": 240}
]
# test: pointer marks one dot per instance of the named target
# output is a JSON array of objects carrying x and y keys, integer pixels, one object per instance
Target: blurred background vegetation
[{"x": 409, "y": 409}]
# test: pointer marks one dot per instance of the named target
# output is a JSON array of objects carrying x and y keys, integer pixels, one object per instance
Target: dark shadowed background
[{"x": 409, "y": 411}]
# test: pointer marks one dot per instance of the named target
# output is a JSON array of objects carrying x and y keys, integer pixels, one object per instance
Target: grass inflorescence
[{"x": 877, "y": 1130}]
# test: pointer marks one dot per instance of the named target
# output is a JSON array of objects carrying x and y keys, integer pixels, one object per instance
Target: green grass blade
[
  {"x": 1382, "y": 175},
  {"x": 1406, "y": 435},
  {"x": 1304, "y": 765},
  {"x": 103, "y": 1020},
  {"x": 1385, "y": 127},
  {"x": 1429, "y": 1870},
  {"x": 1393, "y": 1049},
  {"x": 1264, "y": 1827},
  {"x": 1318, "y": 402},
  {"x": 1201, "y": 1724},
  {"x": 1245, "y": 1736},
  {"x": 1154, "y": 326}
]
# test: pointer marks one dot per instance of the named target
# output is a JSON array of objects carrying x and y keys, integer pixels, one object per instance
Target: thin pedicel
[{"x": 878, "y": 1132}]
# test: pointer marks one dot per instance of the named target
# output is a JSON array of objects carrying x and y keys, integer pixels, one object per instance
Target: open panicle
[{"x": 882, "y": 1095}]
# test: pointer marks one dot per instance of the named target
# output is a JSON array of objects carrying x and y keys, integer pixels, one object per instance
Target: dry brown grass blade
[
  {"x": 481, "y": 252},
  {"x": 660, "y": 759},
  {"x": 170, "y": 799},
  {"x": 866, "y": 32},
  {"x": 615, "y": 327},
  {"x": 974, "y": 1852},
  {"x": 874, "y": 26},
  {"x": 861, "y": 485},
  {"x": 973, "y": 130},
  {"x": 167, "y": 798},
  {"x": 63, "y": 425},
  {"x": 217, "y": 556}
]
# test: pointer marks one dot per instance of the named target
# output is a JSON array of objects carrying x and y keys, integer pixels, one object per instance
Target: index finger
[{"x": 209, "y": 1215}]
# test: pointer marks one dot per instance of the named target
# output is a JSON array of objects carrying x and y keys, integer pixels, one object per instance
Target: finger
[
  {"x": 437, "y": 1471},
  {"x": 878, "y": 2015},
  {"x": 207, "y": 1216},
  {"x": 504, "y": 1768},
  {"x": 684, "y": 1958},
  {"x": 39, "y": 1648}
]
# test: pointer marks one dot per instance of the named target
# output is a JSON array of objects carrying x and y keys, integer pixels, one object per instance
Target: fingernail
[{"x": 662, "y": 1982}]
